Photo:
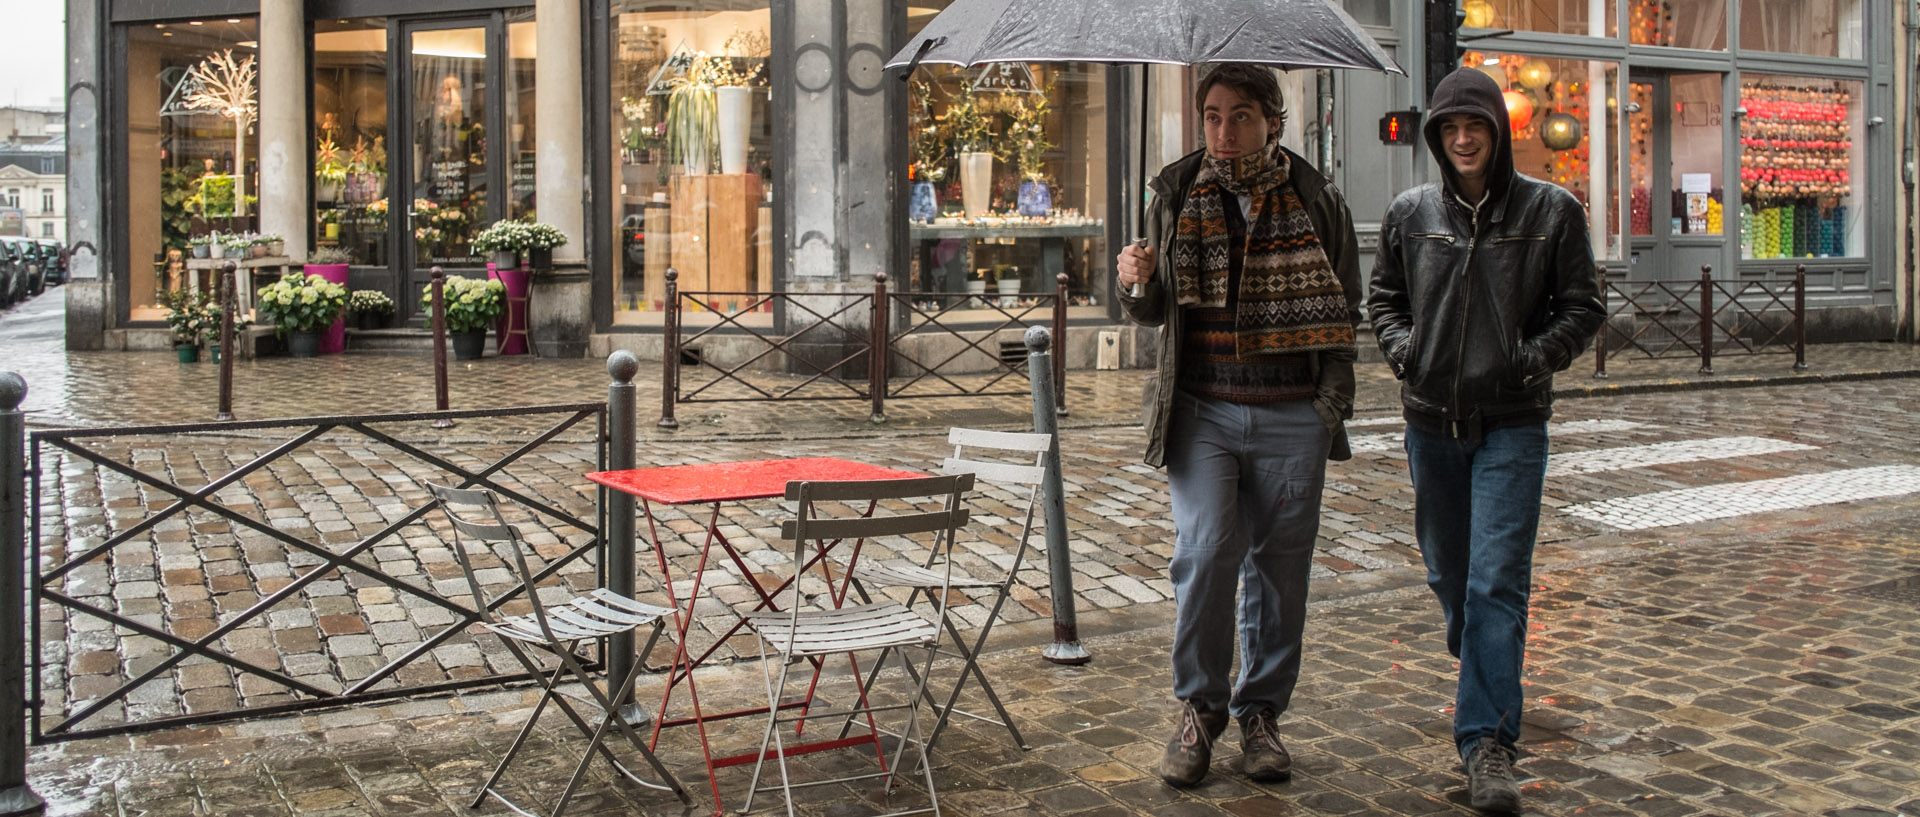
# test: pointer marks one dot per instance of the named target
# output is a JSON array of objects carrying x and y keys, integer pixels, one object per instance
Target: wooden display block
[
  {"x": 713, "y": 220},
  {"x": 763, "y": 246},
  {"x": 659, "y": 233}
]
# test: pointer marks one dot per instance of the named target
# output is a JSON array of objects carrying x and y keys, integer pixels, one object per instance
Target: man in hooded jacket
[{"x": 1483, "y": 287}]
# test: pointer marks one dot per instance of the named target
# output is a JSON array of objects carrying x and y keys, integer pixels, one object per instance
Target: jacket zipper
[{"x": 1466, "y": 308}]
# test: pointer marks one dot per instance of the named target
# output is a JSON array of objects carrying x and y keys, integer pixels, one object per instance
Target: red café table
[{"x": 715, "y": 484}]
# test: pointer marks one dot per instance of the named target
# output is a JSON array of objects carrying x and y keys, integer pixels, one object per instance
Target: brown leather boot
[
  {"x": 1262, "y": 757},
  {"x": 1190, "y": 751}
]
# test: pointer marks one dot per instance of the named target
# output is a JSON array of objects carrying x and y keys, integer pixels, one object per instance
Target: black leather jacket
[{"x": 1475, "y": 307}]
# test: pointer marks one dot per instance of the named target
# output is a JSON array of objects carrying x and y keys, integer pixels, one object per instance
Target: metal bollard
[
  {"x": 670, "y": 352},
  {"x": 1066, "y": 647},
  {"x": 1060, "y": 331},
  {"x": 16, "y": 797},
  {"x": 1800, "y": 317},
  {"x": 227, "y": 303},
  {"x": 621, "y": 406},
  {"x": 439, "y": 286},
  {"x": 1706, "y": 319},
  {"x": 1606, "y": 315},
  {"x": 879, "y": 330}
]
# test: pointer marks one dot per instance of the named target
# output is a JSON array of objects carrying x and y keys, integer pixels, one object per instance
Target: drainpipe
[
  {"x": 1324, "y": 96},
  {"x": 1909, "y": 328}
]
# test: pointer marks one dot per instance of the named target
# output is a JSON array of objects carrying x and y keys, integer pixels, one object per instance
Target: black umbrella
[{"x": 1286, "y": 34}]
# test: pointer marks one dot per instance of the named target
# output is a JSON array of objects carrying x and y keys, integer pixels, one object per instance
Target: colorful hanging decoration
[
  {"x": 1479, "y": 13},
  {"x": 1560, "y": 131},
  {"x": 1796, "y": 154},
  {"x": 1519, "y": 110},
  {"x": 1536, "y": 74}
]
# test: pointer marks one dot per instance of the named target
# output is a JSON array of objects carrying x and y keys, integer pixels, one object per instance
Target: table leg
[{"x": 682, "y": 623}]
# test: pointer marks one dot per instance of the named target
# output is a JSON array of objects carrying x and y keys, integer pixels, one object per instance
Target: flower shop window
[
  {"x": 351, "y": 138},
  {"x": 1802, "y": 168},
  {"x": 1008, "y": 169},
  {"x": 692, "y": 145},
  {"x": 192, "y": 95},
  {"x": 1562, "y": 114},
  {"x": 1820, "y": 28}
]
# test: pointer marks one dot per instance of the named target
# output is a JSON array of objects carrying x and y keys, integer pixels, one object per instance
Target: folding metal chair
[
  {"x": 795, "y": 633},
  {"x": 558, "y": 629},
  {"x": 939, "y": 573}
]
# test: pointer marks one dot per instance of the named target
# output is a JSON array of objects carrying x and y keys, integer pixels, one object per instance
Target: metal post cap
[
  {"x": 13, "y": 389},
  {"x": 622, "y": 365},
  {"x": 1038, "y": 338}
]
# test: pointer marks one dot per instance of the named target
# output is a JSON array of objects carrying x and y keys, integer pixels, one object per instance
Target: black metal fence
[
  {"x": 171, "y": 555},
  {"x": 852, "y": 349},
  {"x": 1701, "y": 318}
]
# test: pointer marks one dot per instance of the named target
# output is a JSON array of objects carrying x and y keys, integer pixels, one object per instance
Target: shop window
[
  {"x": 351, "y": 140},
  {"x": 1553, "y": 18},
  {"x": 190, "y": 168},
  {"x": 1562, "y": 117},
  {"x": 692, "y": 141},
  {"x": 1698, "y": 24},
  {"x": 1802, "y": 163},
  {"x": 1371, "y": 12},
  {"x": 1821, "y": 28},
  {"x": 1008, "y": 172},
  {"x": 521, "y": 146}
]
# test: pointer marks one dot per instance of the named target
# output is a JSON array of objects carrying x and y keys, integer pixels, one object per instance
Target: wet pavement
[{"x": 1694, "y": 650}]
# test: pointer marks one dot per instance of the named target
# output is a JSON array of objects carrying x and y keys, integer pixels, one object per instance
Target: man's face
[
  {"x": 1235, "y": 125},
  {"x": 1468, "y": 141}
]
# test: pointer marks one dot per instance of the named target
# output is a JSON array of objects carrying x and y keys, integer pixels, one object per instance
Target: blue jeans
[
  {"x": 1245, "y": 481},
  {"x": 1476, "y": 511}
]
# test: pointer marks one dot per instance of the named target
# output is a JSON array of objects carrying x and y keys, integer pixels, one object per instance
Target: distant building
[
  {"x": 33, "y": 189},
  {"x": 32, "y": 126}
]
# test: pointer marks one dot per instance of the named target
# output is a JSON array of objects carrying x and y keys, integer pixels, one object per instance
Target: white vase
[
  {"x": 1009, "y": 289},
  {"x": 736, "y": 114},
  {"x": 976, "y": 182}
]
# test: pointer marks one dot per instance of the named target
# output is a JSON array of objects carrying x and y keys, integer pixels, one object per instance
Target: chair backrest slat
[
  {"x": 869, "y": 527},
  {"x": 1004, "y": 440},
  {"x": 876, "y": 489},
  {"x": 993, "y": 471},
  {"x": 479, "y": 530}
]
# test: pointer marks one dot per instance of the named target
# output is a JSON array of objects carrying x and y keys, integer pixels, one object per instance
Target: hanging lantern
[
  {"x": 1560, "y": 131},
  {"x": 1519, "y": 110},
  {"x": 1495, "y": 72},
  {"x": 1479, "y": 13},
  {"x": 1536, "y": 74}
]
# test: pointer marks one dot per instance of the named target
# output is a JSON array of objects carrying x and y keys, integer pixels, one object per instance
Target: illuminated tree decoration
[{"x": 225, "y": 86}]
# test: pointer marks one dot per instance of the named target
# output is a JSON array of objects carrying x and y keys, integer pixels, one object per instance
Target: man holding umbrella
[
  {"x": 1482, "y": 289},
  {"x": 1251, "y": 273}
]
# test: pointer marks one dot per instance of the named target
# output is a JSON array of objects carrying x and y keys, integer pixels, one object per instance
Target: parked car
[
  {"x": 13, "y": 273},
  {"x": 36, "y": 277},
  {"x": 54, "y": 258}
]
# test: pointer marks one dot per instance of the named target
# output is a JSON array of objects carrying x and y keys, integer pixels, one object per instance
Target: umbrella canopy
[{"x": 1287, "y": 34}]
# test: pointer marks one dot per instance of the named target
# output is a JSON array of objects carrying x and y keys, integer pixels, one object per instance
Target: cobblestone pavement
[
  {"x": 1703, "y": 652},
  {"x": 1698, "y": 647}
]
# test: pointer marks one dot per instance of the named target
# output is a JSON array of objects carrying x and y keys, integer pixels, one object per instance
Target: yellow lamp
[
  {"x": 1479, "y": 13},
  {"x": 1560, "y": 131},
  {"x": 1536, "y": 74}
]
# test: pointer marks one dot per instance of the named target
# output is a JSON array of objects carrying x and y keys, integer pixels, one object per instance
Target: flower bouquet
[{"x": 301, "y": 305}]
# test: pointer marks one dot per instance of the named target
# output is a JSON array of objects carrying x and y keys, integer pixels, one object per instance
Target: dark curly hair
[{"x": 1252, "y": 81}]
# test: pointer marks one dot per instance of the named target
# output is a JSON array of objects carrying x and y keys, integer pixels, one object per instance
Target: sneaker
[
  {"x": 1262, "y": 757},
  {"x": 1490, "y": 785},
  {"x": 1190, "y": 751}
]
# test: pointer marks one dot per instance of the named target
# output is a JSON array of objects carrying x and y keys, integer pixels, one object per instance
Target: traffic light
[
  {"x": 1443, "y": 21},
  {"x": 1400, "y": 128}
]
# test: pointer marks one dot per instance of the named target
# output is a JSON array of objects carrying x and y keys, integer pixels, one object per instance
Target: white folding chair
[
  {"x": 799, "y": 632},
  {"x": 558, "y": 629},
  {"x": 1021, "y": 463}
]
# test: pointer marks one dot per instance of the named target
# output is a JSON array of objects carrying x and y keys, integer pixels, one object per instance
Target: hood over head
[{"x": 1468, "y": 91}]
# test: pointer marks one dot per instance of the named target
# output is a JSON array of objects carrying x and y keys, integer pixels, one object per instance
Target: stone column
[
  {"x": 88, "y": 292},
  {"x": 283, "y": 123},
  {"x": 560, "y": 166},
  {"x": 836, "y": 223},
  {"x": 560, "y": 315}
]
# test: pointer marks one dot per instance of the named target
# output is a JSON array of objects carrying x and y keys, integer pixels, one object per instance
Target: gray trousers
[{"x": 1246, "y": 481}]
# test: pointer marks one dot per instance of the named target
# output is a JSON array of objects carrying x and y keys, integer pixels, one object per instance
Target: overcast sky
[{"x": 33, "y": 47}]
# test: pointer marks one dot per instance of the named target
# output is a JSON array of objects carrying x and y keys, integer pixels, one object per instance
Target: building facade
[
  {"x": 33, "y": 189},
  {"x": 756, "y": 146}
]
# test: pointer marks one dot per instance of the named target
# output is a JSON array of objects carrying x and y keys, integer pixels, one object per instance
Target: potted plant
[
  {"x": 504, "y": 240},
  {"x": 187, "y": 318},
  {"x": 1028, "y": 133},
  {"x": 928, "y": 143},
  {"x": 540, "y": 241},
  {"x": 200, "y": 244},
  {"x": 300, "y": 305},
  {"x": 276, "y": 246},
  {"x": 258, "y": 247},
  {"x": 973, "y": 135},
  {"x": 238, "y": 245},
  {"x": 370, "y": 307},
  {"x": 329, "y": 170},
  {"x": 693, "y": 116},
  {"x": 471, "y": 306},
  {"x": 733, "y": 77}
]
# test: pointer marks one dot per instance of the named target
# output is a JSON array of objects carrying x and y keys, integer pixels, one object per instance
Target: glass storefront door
[
  {"x": 448, "y": 169},
  {"x": 1676, "y": 178}
]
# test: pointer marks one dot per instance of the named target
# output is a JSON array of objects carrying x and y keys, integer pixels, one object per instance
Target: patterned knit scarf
[{"x": 1289, "y": 299}]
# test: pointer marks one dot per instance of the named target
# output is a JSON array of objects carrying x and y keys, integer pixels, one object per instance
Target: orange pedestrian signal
[{"x": 1400, "y": 127}]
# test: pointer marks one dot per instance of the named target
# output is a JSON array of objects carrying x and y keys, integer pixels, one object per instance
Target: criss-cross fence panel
[
  {"x": 1699, "y": 318},
  {"x": 193, "y": 573},
  {"x": 847, "y": 348}
]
